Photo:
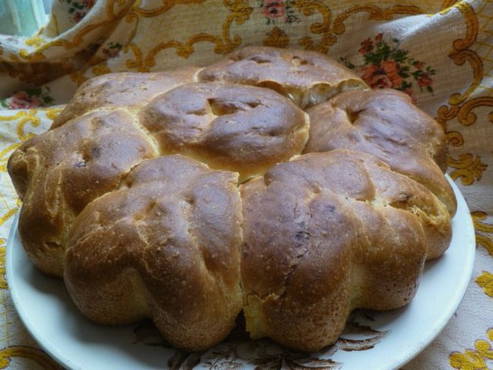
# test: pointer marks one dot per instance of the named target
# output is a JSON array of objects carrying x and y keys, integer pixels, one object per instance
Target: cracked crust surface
[
  {"x": 308, "y": 78},
  {"x": 58, "y": 173},
  {"x": 384, "y": 123},
  {"x": 166, "y": 245},
  {"x": 233, "y": 127},
  {"x": 333, "y": 232}
]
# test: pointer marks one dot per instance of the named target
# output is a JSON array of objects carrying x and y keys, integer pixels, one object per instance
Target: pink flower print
[
  {"x": 21, "y": 100},
  {"x": 380, "y": 81},
  {"x": 385, "y": 64},
  {"x": 391, "y": 69},
  {"x": 368, "y": 72},
  {"x": 274, "y": 8},
  {"x": 366, "y": 46},
  {"x": 424, "y": 80},
  {"x": 418, "y": 65}
]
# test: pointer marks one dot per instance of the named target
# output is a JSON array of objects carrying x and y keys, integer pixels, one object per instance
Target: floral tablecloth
[{"x": 440, "y": 52}]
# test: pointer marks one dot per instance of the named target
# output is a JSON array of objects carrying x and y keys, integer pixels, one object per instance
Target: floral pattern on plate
[{"x": 238, "y": 351}]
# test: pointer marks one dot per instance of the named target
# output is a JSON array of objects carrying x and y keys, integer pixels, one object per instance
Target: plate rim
[
  {"x": 461, "y": 290},
  {"x": 51, "y": 351},
  {"x": 439, "y": 325}
]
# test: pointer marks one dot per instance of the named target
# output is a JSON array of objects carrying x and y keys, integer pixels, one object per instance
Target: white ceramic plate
[{"x": 371, "y": 341}]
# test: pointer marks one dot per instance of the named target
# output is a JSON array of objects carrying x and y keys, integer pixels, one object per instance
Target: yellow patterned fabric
[{"x": 440, "y": 52}]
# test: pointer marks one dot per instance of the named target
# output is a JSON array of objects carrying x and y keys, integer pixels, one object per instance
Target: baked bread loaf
[
  {"x": 274, "y": 182},
  {"x": 306, "y": 77},
  {"x": 126, "y": 89},
  {"x": 165, "y": 245},
  {"x": 384, "y": 123},
  {"x": 329, "y": 232},
  {"x": 227, "y": 126}
]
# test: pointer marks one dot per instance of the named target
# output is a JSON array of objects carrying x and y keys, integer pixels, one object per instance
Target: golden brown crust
[
  {"x": 233, "y": 127},
  {"x": 386, "y": 124},
  {"x": 138, "y": 236},
  {"x": 124, "y": 89},
  {"x": 306, "y": 77},
  {"x": 170, "y": 239},
  {"x": 58, "y": 173},
  {"x": 329, "y": 232}
]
